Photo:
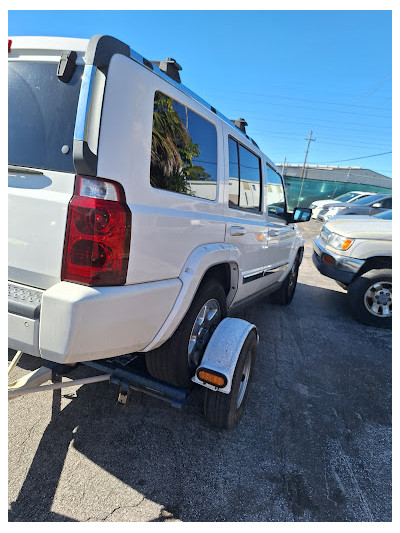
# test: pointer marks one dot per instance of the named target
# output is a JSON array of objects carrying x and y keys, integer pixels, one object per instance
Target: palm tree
[{"x": 172, "y": 148}]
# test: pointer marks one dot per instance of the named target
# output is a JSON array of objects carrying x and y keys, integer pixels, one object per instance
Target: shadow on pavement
[{"x": 310, "y": 446}]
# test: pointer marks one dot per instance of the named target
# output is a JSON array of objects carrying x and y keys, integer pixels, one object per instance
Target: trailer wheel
[
  {"x": 224, "y": 410},
  {"x": 176, "y": 360}
]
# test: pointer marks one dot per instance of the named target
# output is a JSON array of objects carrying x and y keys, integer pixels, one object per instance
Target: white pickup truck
[{"x": 138, "y": 214}]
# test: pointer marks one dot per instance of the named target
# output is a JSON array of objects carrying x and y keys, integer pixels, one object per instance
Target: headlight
[{"x": 339, "y": 242}]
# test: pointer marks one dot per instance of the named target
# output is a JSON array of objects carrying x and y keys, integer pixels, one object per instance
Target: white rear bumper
[{"x": 79, "y": 323}]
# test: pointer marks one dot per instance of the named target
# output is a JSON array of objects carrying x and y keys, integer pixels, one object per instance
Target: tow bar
[{"x": 229, "y": 353}]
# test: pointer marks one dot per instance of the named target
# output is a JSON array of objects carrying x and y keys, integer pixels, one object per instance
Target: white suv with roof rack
[{"x": 138, "y": 214}]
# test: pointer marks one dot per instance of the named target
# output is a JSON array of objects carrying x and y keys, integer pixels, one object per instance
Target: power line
[
  {"x": 273, "y": 132},
  {"x": 304, "y": 100},
  {"x": 354, "y": 158},
  {"x": 372, "y": 91}
]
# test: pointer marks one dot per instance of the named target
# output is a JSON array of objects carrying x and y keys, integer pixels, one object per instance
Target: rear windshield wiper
[{"x": 23, "y": 170}]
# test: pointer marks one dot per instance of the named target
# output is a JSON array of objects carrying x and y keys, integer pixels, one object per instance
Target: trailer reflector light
[
  {"x": 9, "y": 45},
  {"x": 211, "y": 377}
]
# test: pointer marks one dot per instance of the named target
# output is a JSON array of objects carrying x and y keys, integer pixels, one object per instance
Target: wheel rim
[
  {"x": 293, "y": 278},
  {"x": 204, "y": 326},
  {"x": 378, "y": 299},
  {"x": 244, "y": 380}
]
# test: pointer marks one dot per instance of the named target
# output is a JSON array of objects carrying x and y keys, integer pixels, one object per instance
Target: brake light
[
  {"x": 9, "y": 45},
  {"x": 97, "y": 241}
]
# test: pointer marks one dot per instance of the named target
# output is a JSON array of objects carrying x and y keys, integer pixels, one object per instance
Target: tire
[
  {"x": 370, "y": 298},
  {"x": 175, "y": 361},
  {"x": 344, "y": 286},
  {"x": 224, "y": 410},
  {"x": 284, "y": 295}
]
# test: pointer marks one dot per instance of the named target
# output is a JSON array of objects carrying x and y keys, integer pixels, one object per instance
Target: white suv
[{"x": 138, "y": 214}]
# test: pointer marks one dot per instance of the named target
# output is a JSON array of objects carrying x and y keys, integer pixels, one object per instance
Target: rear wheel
[
  {"x": 177, "y": 359},
  {"x": 370, "y": 298}
]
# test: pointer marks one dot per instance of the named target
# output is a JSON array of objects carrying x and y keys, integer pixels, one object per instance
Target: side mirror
[
  {"x": 377, "y": 204},
  {"x": 300, "y": 214}
]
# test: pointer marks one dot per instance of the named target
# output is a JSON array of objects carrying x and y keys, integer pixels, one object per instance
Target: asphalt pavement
[{"x": 314, "y": 443}]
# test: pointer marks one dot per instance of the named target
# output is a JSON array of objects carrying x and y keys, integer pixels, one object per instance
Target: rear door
[
  {"x": 42, "y": 111},
  {"x": 246, "y": 227}
]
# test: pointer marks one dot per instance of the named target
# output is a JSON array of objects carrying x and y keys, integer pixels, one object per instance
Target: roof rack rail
[{"x": 170, "y": 67}]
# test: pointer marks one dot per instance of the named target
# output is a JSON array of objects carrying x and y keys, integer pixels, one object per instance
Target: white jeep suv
[{"x": 138, "y": 214}]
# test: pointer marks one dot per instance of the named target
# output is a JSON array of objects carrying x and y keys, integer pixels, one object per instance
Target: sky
[{"x": 286, "y": 72}]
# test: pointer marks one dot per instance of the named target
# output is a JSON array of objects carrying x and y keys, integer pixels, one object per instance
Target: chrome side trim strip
[{"x": 256, "y": 273}]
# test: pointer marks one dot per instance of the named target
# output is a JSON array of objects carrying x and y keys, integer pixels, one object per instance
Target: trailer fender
[{"x": 222, "y": 353}]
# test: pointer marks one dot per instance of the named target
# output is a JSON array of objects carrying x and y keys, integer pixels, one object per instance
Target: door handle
[
  {"x": 236, "y": 231},
  {"x": 273, "y": 232}
]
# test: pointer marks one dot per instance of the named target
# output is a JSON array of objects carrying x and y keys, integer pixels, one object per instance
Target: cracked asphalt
[{"x": 314, "y": 443}]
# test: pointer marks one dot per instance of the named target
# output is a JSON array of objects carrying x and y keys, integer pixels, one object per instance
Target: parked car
[
  {"x": 138, "y": 214},
  {"x": 357, "y": 253},
  {"x": 347, "y": 197},
  {"x": 384, "y": 215},
  {"x": 369, "y": 205}
]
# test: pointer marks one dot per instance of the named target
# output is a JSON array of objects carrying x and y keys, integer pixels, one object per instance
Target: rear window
[{"x": 41, "y": 115}]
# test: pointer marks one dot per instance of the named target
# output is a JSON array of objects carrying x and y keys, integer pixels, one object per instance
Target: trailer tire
[
  {"x": 172, "y": 362},
  {"x": 225, "y": 410}
]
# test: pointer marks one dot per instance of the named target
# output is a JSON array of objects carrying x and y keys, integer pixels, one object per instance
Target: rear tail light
[{"x": 96, "y": 248}]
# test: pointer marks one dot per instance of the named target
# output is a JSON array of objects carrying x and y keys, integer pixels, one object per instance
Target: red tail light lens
[{"x": 96, "y": 249}]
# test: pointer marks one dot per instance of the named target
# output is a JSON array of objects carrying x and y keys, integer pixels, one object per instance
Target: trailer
[{"x": 224, "y": 372}]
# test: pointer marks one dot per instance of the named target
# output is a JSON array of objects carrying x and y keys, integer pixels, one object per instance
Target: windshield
[
  {"x": 385, "y": 215},
  {"x": 368, "y": 199},
  {"x": 346, "y": 196},
  {"x": 41, "y": 115}
]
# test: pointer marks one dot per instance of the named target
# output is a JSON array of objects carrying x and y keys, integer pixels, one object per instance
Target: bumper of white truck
[{"x": 70, "y": 323}]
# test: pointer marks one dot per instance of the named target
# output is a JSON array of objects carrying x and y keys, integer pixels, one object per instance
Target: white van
[{"x": 138, "y": 214}]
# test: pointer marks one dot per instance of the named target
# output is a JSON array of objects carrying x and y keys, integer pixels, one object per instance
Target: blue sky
[{"x": 285, "y": 72}]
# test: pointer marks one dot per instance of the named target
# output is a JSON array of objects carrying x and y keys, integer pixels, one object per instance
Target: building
[{"x": 320, "y": 182}]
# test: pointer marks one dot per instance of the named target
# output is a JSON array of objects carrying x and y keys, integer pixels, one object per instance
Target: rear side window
[
  {"x": 41, "y": 115},
  {"x": 244, "y": 178},
  {"x": 183, "y": 150}
]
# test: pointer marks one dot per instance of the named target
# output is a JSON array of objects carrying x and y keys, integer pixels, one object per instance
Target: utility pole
[
  {"x": 304, "y": 166},
  {"x": 283, "y": 168}
]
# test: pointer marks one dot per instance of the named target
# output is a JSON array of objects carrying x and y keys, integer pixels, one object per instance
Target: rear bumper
[
  {"x": 340, "y": 268},
  {"x": 77, "y": 323}
]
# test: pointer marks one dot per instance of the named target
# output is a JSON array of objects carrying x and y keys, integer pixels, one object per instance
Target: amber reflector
[
  {"x": 328, "y": 259},
  {"x": 213, "y": 379}
]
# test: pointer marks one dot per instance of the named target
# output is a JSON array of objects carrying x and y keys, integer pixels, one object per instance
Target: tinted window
[
  {"x": 275, "y": 194},
  {"x": 368, "y": 199},
  {"x": 346, "y": 196},
  {"x": 41, "y": 115},
  {"x": 183, "y": 150},
  {"x": 387, "y": 203},
  {"x": 244, "y": 178}
]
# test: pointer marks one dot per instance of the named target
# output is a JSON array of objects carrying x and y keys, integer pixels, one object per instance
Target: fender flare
[{"x": 197, "y": 264}]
